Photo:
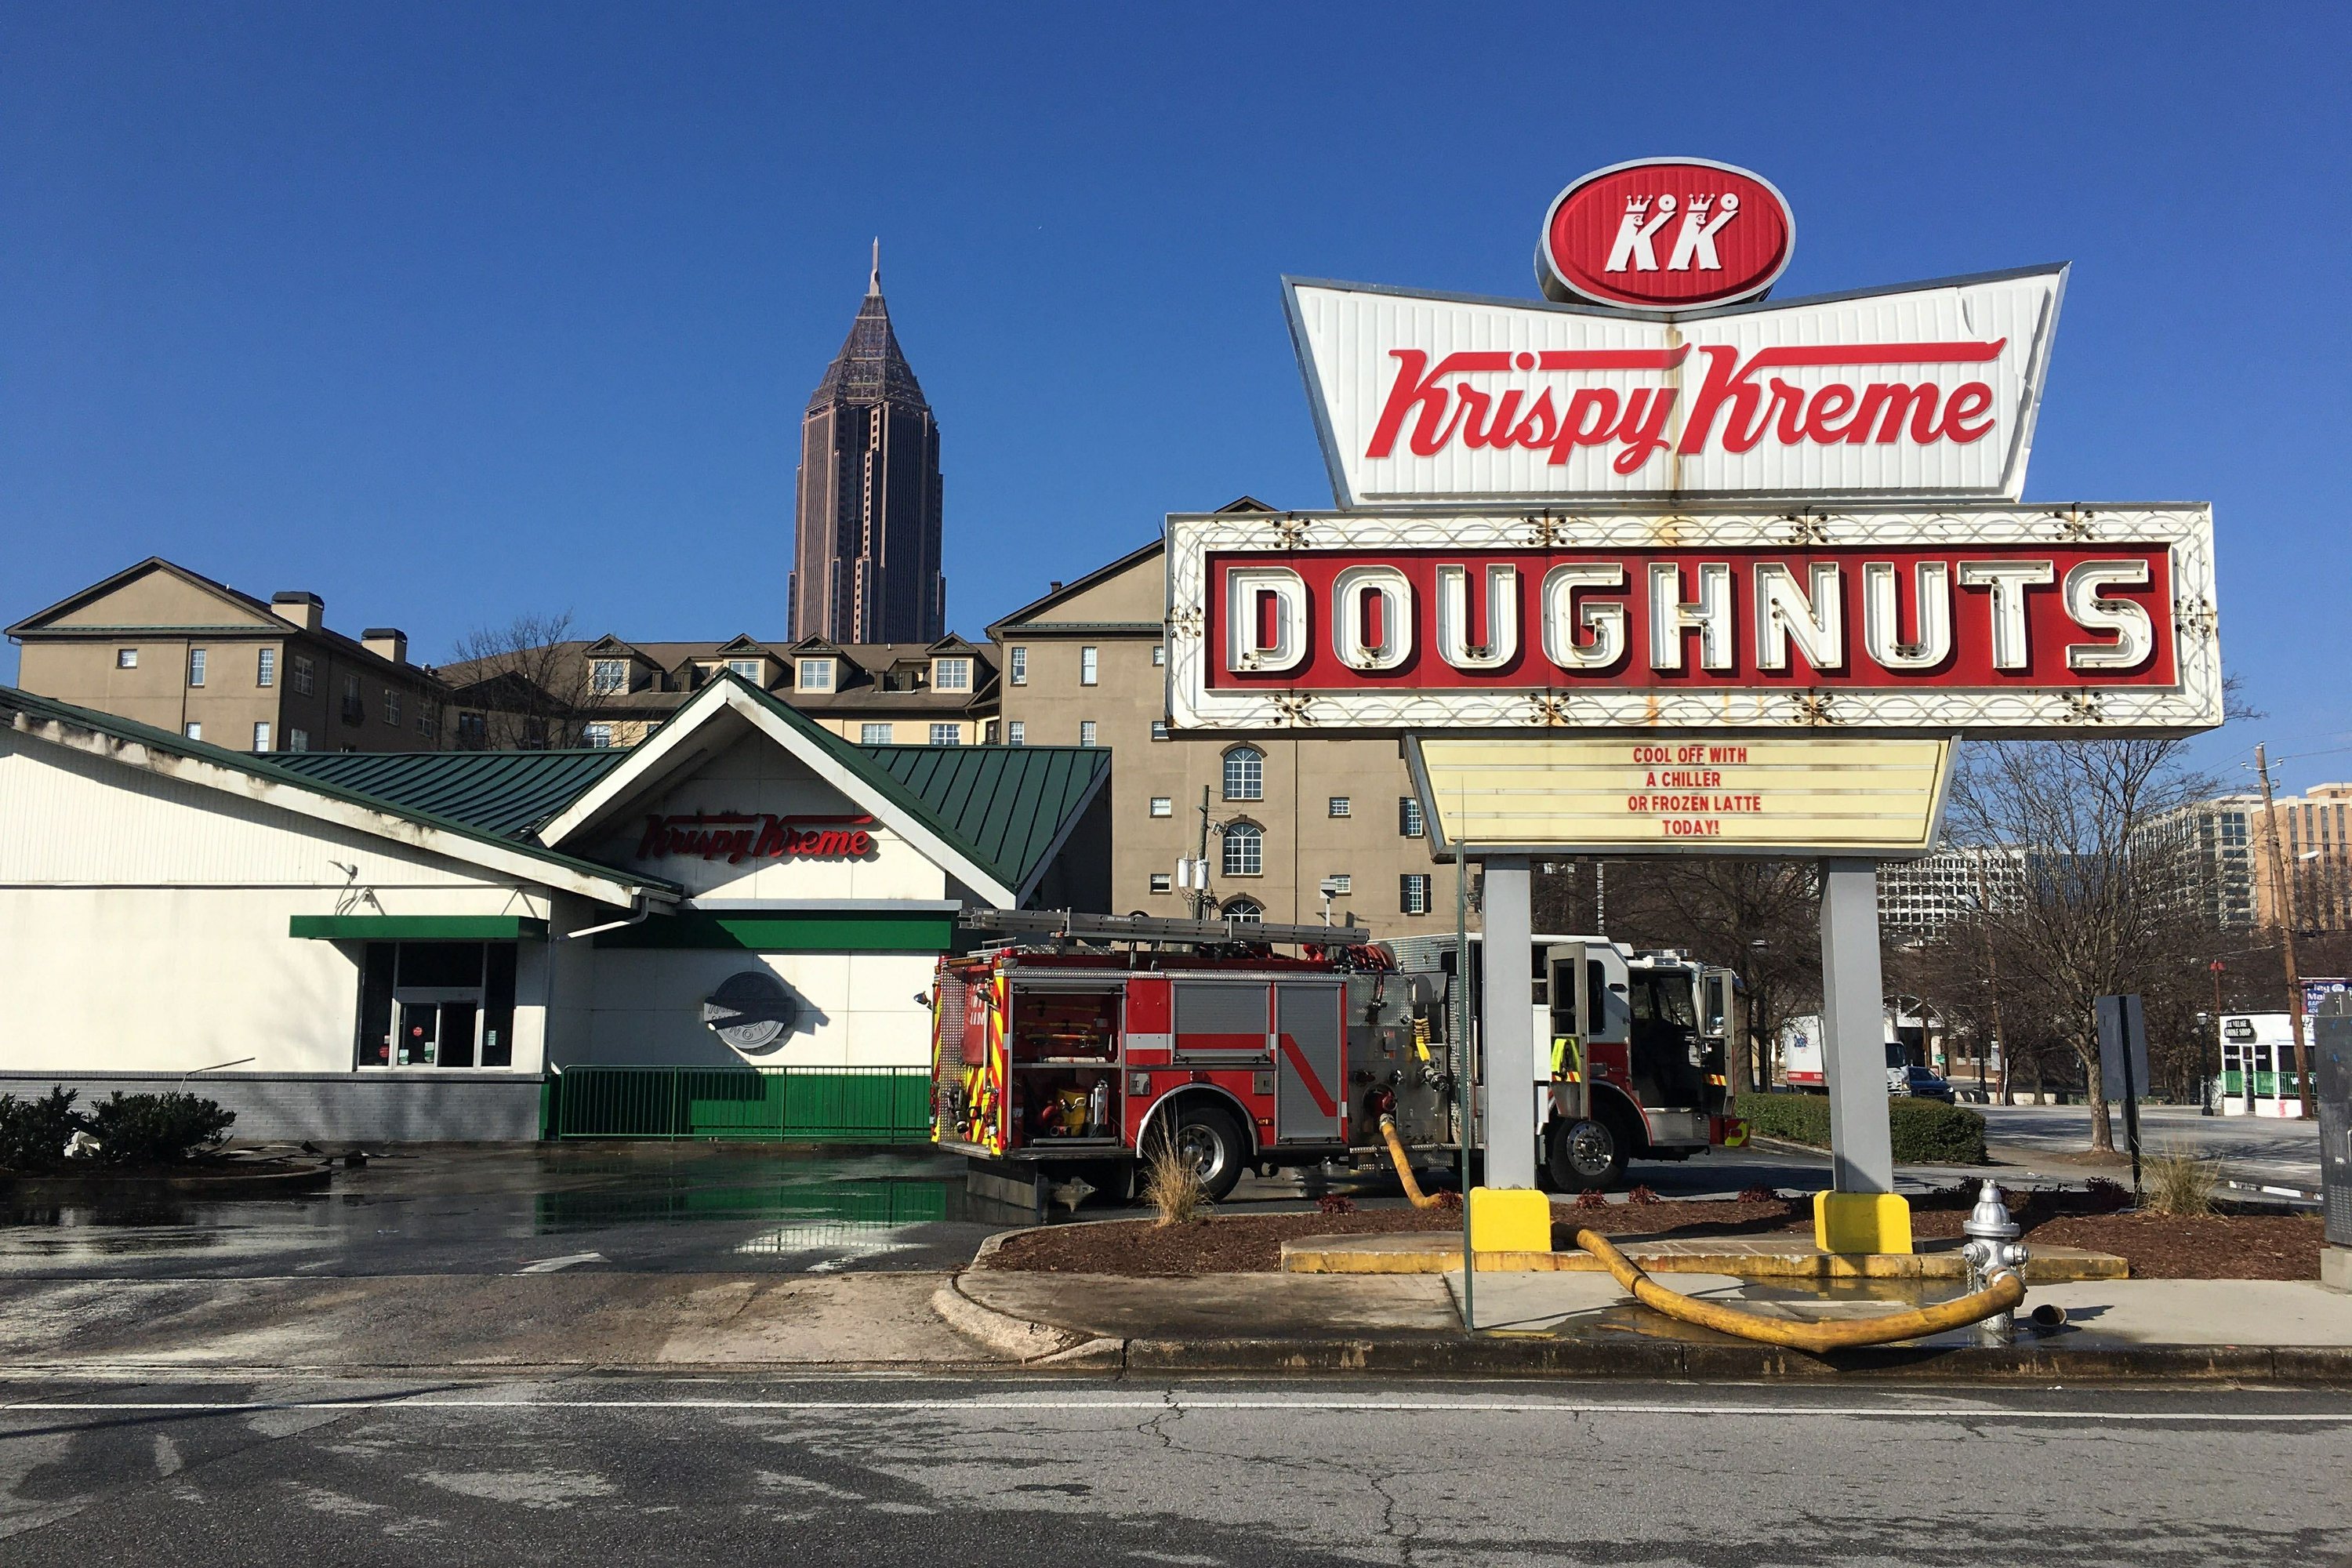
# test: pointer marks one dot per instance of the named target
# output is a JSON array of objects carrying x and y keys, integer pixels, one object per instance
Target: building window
[
  {"x": 1249, "y": 912},
  {"x": 298, "y": 740},
  {"x": 873, "y": 734},
  {"x": 1163, "y": 882},
  {"x": 355, "y": 711},
  {"x": 195, "y": 667},
  {"x": 425, "y": 724},
  {"x": 990, "y": 731},
  {"x": 262, "y": 736},
  {"x": 265, "y": 668},
  {"x": 126, "y": 659},
  {"x": 1409, "y": 821},
  {"x": 1017, "y": 667},
  {"x": 1159, "y": 654},
  {"x": 392, "y": 706},
  {"x": 814, "y": 674},
  {"x": 596, "y": 736},
  {"x": 1016, "y": 733},
  {"x": 1245, "y": 774},
  {"x": 303, "y": 683},
  {"x": 195, "y": 731},
  {"x": 1086, "y": 731},
  {"x": 473, "y": 732},
  {"x": 947, "y": 734},
  {"x": 1342, "y": 807},
  {"x": 751, "y": 669},
  {"x": 1244, "y": 849},
  {"x": 1342, "y": 884},
  {"x": 1413, "y": 892},
  {"x": 1160, "y": 729},
  {"x": 1163, "y": 806},
  {"x": 951, "y": 675},
  {"x": 1090, "y": 665},
  {"x": 608, "y": 675}
]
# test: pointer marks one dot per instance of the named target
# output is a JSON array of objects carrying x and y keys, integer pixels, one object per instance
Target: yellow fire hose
[
  {"x": 1404, "y": 1167},
  {"x": 2003, "y": 1294}
]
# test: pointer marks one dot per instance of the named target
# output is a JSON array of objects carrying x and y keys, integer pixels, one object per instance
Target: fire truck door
[{"x": 1308, "y": 1088}]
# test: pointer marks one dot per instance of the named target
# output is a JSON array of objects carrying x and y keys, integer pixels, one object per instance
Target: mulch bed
[{"x": 2157, "y": 1247}]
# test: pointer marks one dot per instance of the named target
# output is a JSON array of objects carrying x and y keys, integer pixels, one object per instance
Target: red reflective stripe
[{"x": 1314, "y": 1089}]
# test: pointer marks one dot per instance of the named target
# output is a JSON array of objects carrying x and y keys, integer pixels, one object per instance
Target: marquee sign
[
  {"x": 1708, "y": 793},
  {"x": 1984, "y": 619},
  {"x": 1926, "y": 391},
  {"x": 1666, "y": 234}
]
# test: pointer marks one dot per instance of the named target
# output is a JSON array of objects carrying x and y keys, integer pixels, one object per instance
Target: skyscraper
[{"x": 866, "y": 551}]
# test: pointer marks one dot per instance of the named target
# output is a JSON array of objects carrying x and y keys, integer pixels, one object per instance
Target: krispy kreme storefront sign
[
  {"x": 1983, "y": 619},
  {"x": 735, "y": 837}
]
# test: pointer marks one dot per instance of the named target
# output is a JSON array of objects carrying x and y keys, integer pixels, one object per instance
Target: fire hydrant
[{"x": 1992, "y": 1249}]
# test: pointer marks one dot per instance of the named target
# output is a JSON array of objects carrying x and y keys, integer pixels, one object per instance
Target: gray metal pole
[
  {"x": 1507, "y": 1024},
  {"x": 1853, "y": 1029}
]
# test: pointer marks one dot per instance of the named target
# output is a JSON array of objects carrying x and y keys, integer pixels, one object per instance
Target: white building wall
[
  {"x": 143, "y": 921},
  {"x": 858, "y": 1009}
]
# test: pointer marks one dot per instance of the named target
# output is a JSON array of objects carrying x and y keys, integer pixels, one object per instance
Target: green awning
[
  {"x": 417, "y": 928},
  {"x": 823, "y": 930}
]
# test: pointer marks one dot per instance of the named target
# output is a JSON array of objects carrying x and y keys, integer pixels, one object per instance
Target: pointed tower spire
[{"x": 874, "y": 283}]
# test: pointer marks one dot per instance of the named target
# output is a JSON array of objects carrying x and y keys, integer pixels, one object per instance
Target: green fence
[{"x": 814, "y": 1105}]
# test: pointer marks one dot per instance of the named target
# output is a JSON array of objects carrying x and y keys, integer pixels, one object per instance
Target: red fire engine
[{"x": 1069, "y": 1054}]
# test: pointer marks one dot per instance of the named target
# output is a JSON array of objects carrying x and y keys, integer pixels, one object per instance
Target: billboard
[
  {"x": 1925, "y": 390},
  {"x": 1990, "y": 620}
]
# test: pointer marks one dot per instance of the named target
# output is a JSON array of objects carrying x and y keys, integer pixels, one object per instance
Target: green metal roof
[
  {"x": 273, "y": 767},
  {"x": 505, "y": 792},
  {"x": 1005, "y": 806}
]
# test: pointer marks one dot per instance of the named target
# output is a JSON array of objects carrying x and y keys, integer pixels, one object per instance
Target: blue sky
[{"x": 452, "y": 312}]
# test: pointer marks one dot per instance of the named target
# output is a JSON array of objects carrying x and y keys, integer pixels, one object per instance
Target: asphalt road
[
  {"x": 1035, "y": 1471},
  {"x": 2252, "y": 1148}
]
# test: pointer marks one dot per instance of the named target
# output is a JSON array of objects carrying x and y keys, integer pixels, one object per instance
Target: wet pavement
[{"x": 668, "y": 1208}]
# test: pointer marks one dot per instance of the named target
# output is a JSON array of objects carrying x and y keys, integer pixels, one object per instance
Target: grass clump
[
  {"x": 1172, "y": 1186},
  {"x": 2179, "y": 1184}
]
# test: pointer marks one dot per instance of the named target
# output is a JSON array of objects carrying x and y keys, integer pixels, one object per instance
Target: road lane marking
[
  {"x": 569, "y": 1261},
  {"x": 1298, "y": 1406}
]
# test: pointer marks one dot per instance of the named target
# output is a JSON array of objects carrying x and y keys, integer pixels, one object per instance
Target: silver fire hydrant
[{"x": 1992, "y": 1249}]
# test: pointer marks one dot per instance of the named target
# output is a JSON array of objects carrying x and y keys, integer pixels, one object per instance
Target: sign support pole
[
  {"x": 1853, "y": 1027},
  {"x": 1507, "y": 1024}
]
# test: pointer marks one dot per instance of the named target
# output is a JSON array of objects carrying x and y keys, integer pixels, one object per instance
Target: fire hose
[
  {"x": 1404, "y": 1167},
  {"x": 2005, "y": 1289}
]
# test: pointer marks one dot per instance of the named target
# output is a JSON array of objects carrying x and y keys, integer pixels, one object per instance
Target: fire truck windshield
[{"x": 1663, "y": 999}]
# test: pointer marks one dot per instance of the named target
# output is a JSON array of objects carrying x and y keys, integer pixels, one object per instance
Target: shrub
[
  {"x": 32, "y": 1132},
  {"x": 1758, "y": 1195},
  {"x": 156, "y": 1129},
  {"x": 1447, "y": 1198},
  {"x": 1592, "y": 1198},
  {"x": 2106, "y": 1195},
  {"x": 1172, "y": 1186},
  {"x": 1335, "y": 1202},
  {"x": 1643, "y": 1196},
  {"x": 1926, "y": 1132},
  {"x": 2182, "y": 1185}
]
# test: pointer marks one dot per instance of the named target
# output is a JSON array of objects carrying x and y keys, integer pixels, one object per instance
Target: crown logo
[{"x": 1638, "y": 205}]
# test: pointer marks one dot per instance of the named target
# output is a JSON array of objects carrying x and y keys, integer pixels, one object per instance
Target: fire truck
[{"x": 1064, "y": 1055}]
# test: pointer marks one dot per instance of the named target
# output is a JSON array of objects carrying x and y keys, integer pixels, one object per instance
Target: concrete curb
[{"x": 1018, "y": 1339}]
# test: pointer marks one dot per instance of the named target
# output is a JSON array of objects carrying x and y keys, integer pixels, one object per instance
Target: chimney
[
  {"x": 1055, "y": 586},
  {"x": 386, "y": 642},
  {"x": 305, "y": 610}
]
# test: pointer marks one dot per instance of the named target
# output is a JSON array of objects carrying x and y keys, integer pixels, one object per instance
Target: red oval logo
[{"x": 1666, "y": 234}]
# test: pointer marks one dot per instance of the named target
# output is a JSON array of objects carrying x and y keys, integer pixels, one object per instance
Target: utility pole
[
  {"x": 1200, "y": 876},
  {"x": 2286, "y": 927},
  {"x": 1992, "y": 977}
]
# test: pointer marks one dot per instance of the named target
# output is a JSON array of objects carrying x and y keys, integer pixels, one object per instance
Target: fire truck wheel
[
  {"x": 1213, "y": 1140},
  {"x": 1586, "y": 1153}
]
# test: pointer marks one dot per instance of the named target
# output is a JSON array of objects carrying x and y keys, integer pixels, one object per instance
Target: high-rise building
[
  {"x": 866, "y": 547},
  {"x": 2314, "y": 855}
]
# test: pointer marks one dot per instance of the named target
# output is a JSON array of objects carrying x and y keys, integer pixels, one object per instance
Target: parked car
[{"x": 1924, "y": 1083}]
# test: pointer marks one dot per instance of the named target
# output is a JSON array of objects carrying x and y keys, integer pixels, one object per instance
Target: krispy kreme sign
[
  {"x": 1666, "y": 234},
  {"x": 1964, "y": 618},
  {"x": 735, "y": 837},
  {"x": 1926, "y": 391}
]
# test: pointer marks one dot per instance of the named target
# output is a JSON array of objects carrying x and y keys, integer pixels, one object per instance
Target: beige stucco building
[
  {"x": 161, "y": 645},
  {"x": 1085, "y": 666}
]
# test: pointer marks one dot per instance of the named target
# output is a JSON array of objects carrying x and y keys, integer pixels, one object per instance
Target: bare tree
[
  {"x": 2107, "y": 904},
  {"x": 528, "y": 680}
]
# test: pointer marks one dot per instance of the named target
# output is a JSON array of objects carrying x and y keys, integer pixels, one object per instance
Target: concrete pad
[
  {"x": 1533, "y": 1303},
  {"x": 1211, "y": 1306},
  {"x": 2202, "y": 1311}
]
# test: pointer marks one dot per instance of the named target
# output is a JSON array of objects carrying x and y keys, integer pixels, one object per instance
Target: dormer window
[
  {"x": 951, "y": 674},
  {"x": 608, "y": 675},
  {"x": 751, "y": 669},
  {"x": 814, "y": 675}
]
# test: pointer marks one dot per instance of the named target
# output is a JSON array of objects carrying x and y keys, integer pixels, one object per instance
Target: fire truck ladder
[{"x": 1148, "y": 928}]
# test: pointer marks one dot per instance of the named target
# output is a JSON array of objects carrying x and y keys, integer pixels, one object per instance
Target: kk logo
[{"x": 1694, "y": 245}]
